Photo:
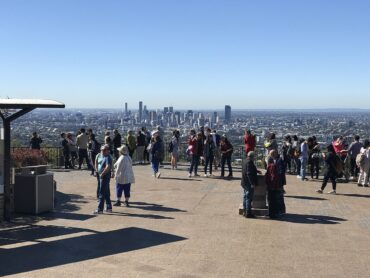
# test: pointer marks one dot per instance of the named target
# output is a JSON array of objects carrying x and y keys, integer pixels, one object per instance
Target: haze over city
[{"x": 187, "y": 54}]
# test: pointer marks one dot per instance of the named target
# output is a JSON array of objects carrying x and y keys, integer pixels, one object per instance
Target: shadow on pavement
[
  {"x": 179, "y": 179},
  {"x": 310, "y": 219},
  {"x": 153, "y": 207},
  {"x": 150, "y": 216},
  {"x": 306, "y": 198},
  {"x": 354, "y": 195},
  {"x": 46, "y": 254}
]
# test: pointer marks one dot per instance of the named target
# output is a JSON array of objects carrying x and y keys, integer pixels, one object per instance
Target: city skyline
[{"x": 194, "y": 54}]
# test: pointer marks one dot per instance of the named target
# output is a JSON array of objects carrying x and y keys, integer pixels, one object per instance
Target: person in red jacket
[
  {"x": 272, "y": 180},
  {"x": 249, "y": 141}
]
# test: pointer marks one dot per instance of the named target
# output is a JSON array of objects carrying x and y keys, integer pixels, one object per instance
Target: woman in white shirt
[{"x": 124, "y": 176}]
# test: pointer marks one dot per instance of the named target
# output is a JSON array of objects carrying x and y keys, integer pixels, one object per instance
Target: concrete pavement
[{"x": 180, "y": 227}]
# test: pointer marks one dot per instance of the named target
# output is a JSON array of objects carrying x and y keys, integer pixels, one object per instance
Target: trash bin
[{"x": 34, "y": 190}]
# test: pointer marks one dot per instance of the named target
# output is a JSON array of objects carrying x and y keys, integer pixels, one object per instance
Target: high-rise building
[
  {"x": 126, "y": 108},
  {"x": 171, "y": 109},
  {"x": 227, "y": 113},
  {"x": 140, "y": 111},
  {"x": 165, "y": 110}
]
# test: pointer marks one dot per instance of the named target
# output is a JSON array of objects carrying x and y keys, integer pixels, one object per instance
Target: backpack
[
  {"x": 338, "y": 165},
  {"x": 361, "y": 159},
  {"x": 170, "y": 147}
]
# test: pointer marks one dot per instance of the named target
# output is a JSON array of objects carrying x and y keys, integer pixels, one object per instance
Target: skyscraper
[
  {"x": 140, "y": 111},
  {"x": 126, "y": 108},
  {"x": 227, "y": 113}
]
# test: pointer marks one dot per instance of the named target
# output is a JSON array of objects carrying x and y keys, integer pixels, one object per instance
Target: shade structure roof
[{"x": 13, "y": 103}]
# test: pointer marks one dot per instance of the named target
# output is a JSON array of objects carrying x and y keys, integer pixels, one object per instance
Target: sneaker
[
  {"x": 158, "y": 175},
  {"x": 366, "y": 185},
  {"x": 189, "y": 175},
  {"x": 319, "y": 191},
  {"x": 196, "y": 175},
  {"x": 298, "y": 176},
  {"x": 97, "y": 211},
  {"x": 359, "y": 184},
  {"x": 332, "y": 192},
  {"x": 117, "y": 204},
  {"x": 250, "y": 215},
  {"x": 108, "y": 210},
  {"x": 126, "y": 204}
]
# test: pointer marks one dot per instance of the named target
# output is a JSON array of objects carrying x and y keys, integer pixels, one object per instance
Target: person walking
[
  {"x": 156, "y": 154},
  {"x": 330, "y": 171},
  {"x": 304, "y": 159},
  {"x": 314, "y": 157},
  {"x": 226, "y": 153},
  {"x": 124, "y": 176},
  {"x": 248, "y": 183},
  {"x": 104, "y": 164}
]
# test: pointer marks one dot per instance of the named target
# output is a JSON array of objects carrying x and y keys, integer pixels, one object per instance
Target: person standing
[
  {"x": 72, "y": 149},
  {"x": 248, "y": 183},
  {"x": 273, "y": 188},
  {"x": 103, "y": 164},
  {"x": 66, "y": 151},
  {"x": 209, "y": 148},
  {"x": 35, "y": 141},
  {"x": 226, "y": 153},
  {"x": 330, "y": 171},
  {"x": 304, "y": 159},
  {"x": 94, "y": 149},
  {"x": 217, "y": 140},
  {"x": 193, "y": 151},
  {"x": 82, "y": 141},
  {"x": 141, "y": 142},
  {"x": 364, "y": 164},
  {"x": 314, "y": 157},
  {"x": 116, "y": 143},
  {"x": 124, "y": 176},
  {"x": 353, "y": 150},
  {"x": 148, "y": 138},
  {"x": 131, "y": 143},
  {"x": 249, "y": 141},
  {"x": 174, "y": 149}
]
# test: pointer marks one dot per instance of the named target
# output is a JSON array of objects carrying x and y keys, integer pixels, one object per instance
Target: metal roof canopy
[{"x": 25, "y": 106}]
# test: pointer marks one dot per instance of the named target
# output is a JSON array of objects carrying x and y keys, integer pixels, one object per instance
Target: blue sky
[{"x": 188, "y": 54}]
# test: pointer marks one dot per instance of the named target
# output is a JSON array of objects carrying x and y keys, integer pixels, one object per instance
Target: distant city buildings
[{"x": 227, "y": 113}]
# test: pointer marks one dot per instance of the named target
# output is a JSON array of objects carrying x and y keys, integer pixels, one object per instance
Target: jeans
[
  {"x": 209, "y": 162},
  {"x": 297, "y": 164},
  {"x": 155, "y": 166},
  {"x": 226, "y": 159},
  {"x": 363, "y": 178},
  {"x": 126, "y": 188},
  {"x": 303, "y": 167},
  {"x": 354, "y": 169},
  {"x": 98, "y": 188},
  {"x": 194, "y": 164},
  {"x": 104, "y": 193},
  {"x": 248, "y": 198}
]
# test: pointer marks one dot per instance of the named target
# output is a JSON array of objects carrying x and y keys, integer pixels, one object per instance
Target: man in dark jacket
[
  {"x": 249, "y": 181},
  {"x": 116, "y": 143}
]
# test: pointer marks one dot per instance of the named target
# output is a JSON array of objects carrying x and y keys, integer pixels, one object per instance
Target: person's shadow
[{"x": 311, "y": 219}]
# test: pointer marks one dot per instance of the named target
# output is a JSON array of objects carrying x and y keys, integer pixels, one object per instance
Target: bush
[{"x": 28, "y": 157}]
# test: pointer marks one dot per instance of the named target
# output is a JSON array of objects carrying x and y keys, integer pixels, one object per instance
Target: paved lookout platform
[{"x": 180, "y": 227}]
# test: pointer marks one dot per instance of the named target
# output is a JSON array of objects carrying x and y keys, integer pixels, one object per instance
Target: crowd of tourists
[{"x": 206, "y": 148}]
